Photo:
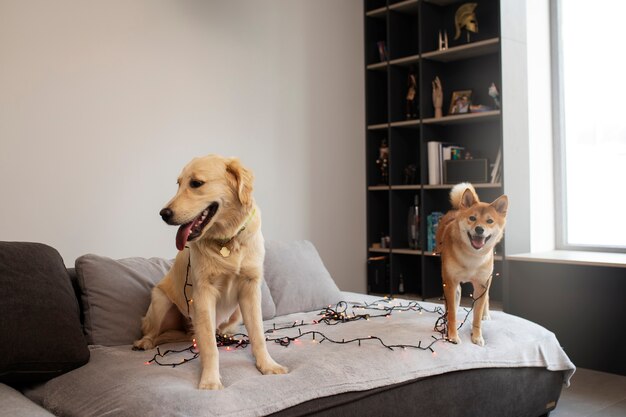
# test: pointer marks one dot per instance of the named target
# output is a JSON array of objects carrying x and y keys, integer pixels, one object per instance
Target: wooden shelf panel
[
  {"x": 405, "y": 61},
  {"x": 433, "y": 254},
  {"x": 378, "y": 188},
  {"x": 486, "y": 116},
  {"x": 441, "y": 2},
  {"x": 406, "y": 187},
  {"x": 406, "y": 123},
  {"x": 379, "y": 250},
  {"x": 408, "y": 6},
  {"x": 379, "y": 66},
  {"x": 378, "y": 126},
  {"x": 449, "y": 186},
  {"x": 464, "y": 118},
  {"x": 471, "y": 50},
  {"x": 406, "y": 251},
  {"x": 380, "y": 12}
]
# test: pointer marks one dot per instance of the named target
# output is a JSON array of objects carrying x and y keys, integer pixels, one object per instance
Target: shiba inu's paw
[
  {"x": 145, "y": 343},
  {"x": 271, "y": 368},
  {"x": 486, "y": 315},
  {"x": 478, "y": 339},
  {"x": 454, "y": 339}
]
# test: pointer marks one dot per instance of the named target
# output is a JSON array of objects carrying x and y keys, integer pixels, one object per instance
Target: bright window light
[{"x": 593, "y": 124}]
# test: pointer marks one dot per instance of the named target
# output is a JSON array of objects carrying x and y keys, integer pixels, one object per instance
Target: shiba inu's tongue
[{"x": 477, "y": 241}]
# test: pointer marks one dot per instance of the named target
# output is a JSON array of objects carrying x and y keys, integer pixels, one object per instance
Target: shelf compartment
[{"x": 470, "y": 50}]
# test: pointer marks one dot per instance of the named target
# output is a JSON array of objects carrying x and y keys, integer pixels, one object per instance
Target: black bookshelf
[{"x": 410, "y": 31}]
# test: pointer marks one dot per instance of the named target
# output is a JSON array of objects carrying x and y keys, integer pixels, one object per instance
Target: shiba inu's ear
[
  {"x": 501, "y": 204},
  {"x": 243, "y": 179},
  {"x": 468, "y": 199}
]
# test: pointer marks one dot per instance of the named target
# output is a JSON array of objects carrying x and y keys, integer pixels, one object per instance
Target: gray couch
[{"x": 67, "y": 335}]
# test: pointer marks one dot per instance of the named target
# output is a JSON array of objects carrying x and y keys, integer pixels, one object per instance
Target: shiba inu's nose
[
  {"x": 166, "y": 214},
  {"x": 479, "y": 230}
]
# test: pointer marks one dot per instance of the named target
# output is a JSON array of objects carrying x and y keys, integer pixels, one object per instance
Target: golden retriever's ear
[
  {"x": 468, "y": 199},
  {"x": 243, "y": 179},
  {"x": 501, "y": 204}
]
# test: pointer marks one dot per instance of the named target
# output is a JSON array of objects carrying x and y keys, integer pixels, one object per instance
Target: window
[{"x": 590, "y": 123}]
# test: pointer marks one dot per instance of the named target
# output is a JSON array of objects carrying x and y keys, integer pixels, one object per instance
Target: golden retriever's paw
[
  {"x": 210, "y": 384},
  {"x": 145, "y": 343},
  {"x": 478, "y": 340},
  {"x": 454, "y": 339},
  {"x": 272, "y": 368}
]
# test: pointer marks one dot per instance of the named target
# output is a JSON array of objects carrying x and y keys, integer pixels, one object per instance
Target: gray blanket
[{"x": 117, "y": 381}]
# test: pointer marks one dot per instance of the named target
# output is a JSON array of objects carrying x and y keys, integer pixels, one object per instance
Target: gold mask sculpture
[{"x": 466, "y": 18}]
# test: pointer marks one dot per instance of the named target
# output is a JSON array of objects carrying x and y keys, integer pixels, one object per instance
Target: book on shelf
[
  {"x": 438, "y": 152},
  {"x": 496, "y": 171},
  {"x": 432, "y": 222}
]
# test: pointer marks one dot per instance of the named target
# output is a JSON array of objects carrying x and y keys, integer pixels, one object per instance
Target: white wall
[
  {"x": 527, "y": 126},
  {"x": 102, "y": 103}
]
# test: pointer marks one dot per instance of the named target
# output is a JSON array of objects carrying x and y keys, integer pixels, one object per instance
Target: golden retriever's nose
[{"x": 166, "y": 214}]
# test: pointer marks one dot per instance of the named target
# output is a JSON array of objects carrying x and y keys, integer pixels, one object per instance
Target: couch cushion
[
  {"x": 41, "y": 335},
  {"x": 14, "y": 403},
  {"x": 116, "y": 295},
  {"x": 297, "y": 277}
]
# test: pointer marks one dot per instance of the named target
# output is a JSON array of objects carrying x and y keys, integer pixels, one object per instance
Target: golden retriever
[{"x": 217, "y": 275}]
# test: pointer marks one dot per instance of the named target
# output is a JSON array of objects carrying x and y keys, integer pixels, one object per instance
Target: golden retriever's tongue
[{"x": 182, "y": 235}]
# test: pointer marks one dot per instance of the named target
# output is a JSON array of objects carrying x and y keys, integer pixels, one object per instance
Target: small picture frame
[{"x": 460, "y": 102}]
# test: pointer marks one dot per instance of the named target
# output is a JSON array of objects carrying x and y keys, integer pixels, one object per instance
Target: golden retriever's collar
[{"x": 224, "y": 251}]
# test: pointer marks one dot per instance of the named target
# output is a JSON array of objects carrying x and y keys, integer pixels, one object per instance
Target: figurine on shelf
[
  {"x": 411, "y": 94},
  {"x": 465, "y": 18},
  {"x": 382, "y": 51},
  {"x": 437, "y": 97},
  {"x": 443, "y": 40},
  {"x": 494, "y": 94},
  {"x": 383, "y": 161},
  {"x": 410, "y": 172}
]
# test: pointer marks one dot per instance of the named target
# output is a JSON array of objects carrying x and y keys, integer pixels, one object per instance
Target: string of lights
[{"x": 331, "y": 317}]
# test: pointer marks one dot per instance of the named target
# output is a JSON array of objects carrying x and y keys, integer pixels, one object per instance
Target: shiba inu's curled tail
[{"x": 457, "y": 194}]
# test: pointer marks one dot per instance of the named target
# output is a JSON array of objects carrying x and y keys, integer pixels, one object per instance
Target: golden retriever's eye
[
  {"x": 489, "y": 221},
  {"x": 472, "y": 218},
  {"x": 196, "y": 183}
]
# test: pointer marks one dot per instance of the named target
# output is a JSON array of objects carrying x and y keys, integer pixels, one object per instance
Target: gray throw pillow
[
  {"x": 40, "y": 336},
  {"x": 297, "y": 277},
  {"x": 116, "y": 295}
]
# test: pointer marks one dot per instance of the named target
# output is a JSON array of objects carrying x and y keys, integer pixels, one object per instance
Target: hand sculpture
[{"x": 437, "y": 97}]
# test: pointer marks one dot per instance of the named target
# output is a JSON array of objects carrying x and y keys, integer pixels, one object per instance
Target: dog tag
[{"x": 225, "y": 252}]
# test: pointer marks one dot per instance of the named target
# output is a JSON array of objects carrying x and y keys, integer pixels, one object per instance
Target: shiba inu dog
[{"x": 465, "y": 238}]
